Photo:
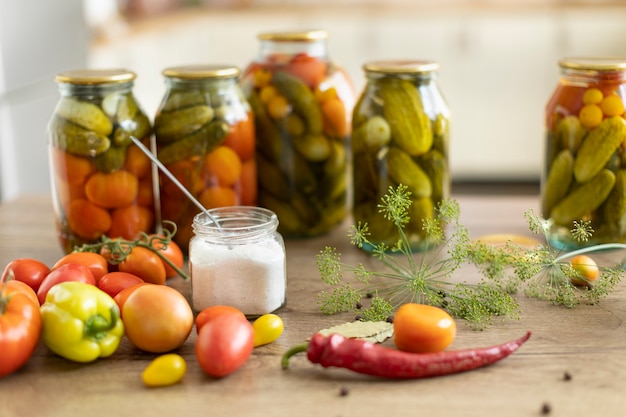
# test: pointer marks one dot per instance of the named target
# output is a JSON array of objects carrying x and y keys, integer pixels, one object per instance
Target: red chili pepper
[{"x": 376, "y": 360}]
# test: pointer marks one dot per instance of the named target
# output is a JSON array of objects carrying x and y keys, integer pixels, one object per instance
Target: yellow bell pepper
[{"x": 81, "y": 322}]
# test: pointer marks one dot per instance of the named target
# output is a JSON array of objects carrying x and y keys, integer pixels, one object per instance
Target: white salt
[{"x": 250, "y": 277}]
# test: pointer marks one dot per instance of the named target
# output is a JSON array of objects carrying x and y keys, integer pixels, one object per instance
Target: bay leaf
[{"x": 372, "y": 331}]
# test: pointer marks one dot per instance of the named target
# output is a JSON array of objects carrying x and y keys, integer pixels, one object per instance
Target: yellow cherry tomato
[
  {"x": 421, "y": 328},
  {"x": 164, "y": 370},
  {"x": 592, "y": 96},
  {"x": 267, "y": 328},
  {"x": 586, "y": 268},
  {"x": 612, "y": 106},
  {"x": 590, "y": 115}
]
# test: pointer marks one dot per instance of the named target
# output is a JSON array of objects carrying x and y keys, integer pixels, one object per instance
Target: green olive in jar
[
  {"x": 400, "y": 138},
  {"x": 101, "y": 182}
]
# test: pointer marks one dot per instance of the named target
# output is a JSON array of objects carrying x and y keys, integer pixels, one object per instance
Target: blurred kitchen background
[{"x": 498, "y": 61}]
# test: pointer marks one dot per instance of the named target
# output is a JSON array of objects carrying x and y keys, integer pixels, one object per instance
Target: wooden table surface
[{"x": 588, "y": 343}]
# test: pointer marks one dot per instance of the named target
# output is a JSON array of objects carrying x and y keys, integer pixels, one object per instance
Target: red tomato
[
  {"x": 224, "y": 345},
  {"x": 64, "y": 273},
  {"x": 171, "y": 252},
  {"x": 96, "y": 263},
  {"x": 20, "y": 329},
  {"x": 421, "y": 328},
  {"x": 145, "y": 264},
  {"x": 114, "y": 282},
  {"x": 309, "y": 69},
  {"x": 29, "y": 271},
  {"x": 13, "y": 286},
  {"x": 210, "y": 313},
  {"x": 157, "y": 318}
]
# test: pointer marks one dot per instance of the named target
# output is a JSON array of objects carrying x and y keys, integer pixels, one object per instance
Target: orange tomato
[
  {"x": 67, "y": 193},
  {"x": 172, "y": 252},
  {"x": 335, "y": 117},
  {"x": 87, "y": 220},
  {"x": 241, "y": 138},
  {"x": 186, "y": 173},
  {"x": 586, "y": 268},
  {"x": 70, "y": 168},
  {"x": 145, "y": 193},
  {"x": 13, "y": 286},
  {"x": 121, "y": 297},
  {"x": 128, "y": 222},
  {"x": 96, "y": 263},
  {"x": 248, "y": 184},
  {"x": 114, "y": 190},
  {"x": 218, "y": 197},
  {"x": 421, "y": 328},
  {"x": 209, "y": 313},
  {"x": 137, "y": 163},
  {"x": 145, "y": 264},
  {"x": 223, "y": 166},
  {"x": 157, "y": 318}
]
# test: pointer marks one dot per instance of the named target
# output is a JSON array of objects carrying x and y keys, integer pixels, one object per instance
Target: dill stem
[{"x": 595, "y": 248}]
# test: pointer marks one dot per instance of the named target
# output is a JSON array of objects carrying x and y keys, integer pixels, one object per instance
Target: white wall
[{"x": 498, "y": 65}]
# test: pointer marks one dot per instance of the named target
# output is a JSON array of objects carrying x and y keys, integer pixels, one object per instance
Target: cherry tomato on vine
[
  {"x": 30, "y": 271},
  {"x": 20, "y": 329},
  {"x": 64, "y": 273},
  {"x": 164, "y": 370},
  {"x": 114, "y": 282},
  {"x": 171, "y": 252},
  {"x": 96, "y": 263},
  {"x": 224, "y": 344},
  {"x": 586, "y": 268},
  {"x": 267, "y": 328},
  {"x": 145, "y": 264},
  {"x": 421, "y": 328},
  {"x": 209, "y": 313}
]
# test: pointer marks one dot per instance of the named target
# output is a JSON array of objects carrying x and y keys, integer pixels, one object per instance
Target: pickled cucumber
[
  {"x": 371, "y": 135},
  {"x": 570, "y": 133},
  {"x": 198, "y": 143},
  {"x": 301, "y": 98},
  {"x": 410, "y": 126},
  {"x": 181, "y": 99},
  {"x": 436, "y": 167},
  {"x": 614, "y": 208},
  {"x": 84, "y": 114},
  {"x": 288, "y": 220},
  {"x": 404, "y": 170},
  {"x": 271, "y": 178},
  {"x": 582, "y": 200},
  {"x": 558, "y": 181},
  {"x": 314, "y": 147},
  {"x": 597, "y": 148},
  {"x": 441, "y": 134},
  {"x": 111, "y": 160},
  {"x": 420, "y": 210},
  {"x": 178, "y": 124},
  {"x": 270, "y": 142},
  {"x": 138, "y": 126},
  {"x": 75, "y": 139}
]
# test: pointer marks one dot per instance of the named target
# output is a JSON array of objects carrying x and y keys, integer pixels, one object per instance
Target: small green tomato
[
  {"x": 164, "y": 370},
  {"x": 586, "y": 268},
  {"x": 267, "y": 328}
]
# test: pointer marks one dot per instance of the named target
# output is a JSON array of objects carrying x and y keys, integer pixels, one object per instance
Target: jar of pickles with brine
[
  {"x": 584, "y": 178},
  {"x": 205, "y": 137},
  {"x": 302, "y": 105},
  {"x": 101, "y": 181},
  {"x": 400, "y": 135}
]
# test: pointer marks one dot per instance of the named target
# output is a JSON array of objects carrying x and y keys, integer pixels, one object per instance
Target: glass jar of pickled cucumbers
[
  {"x": 302, "y": 105},
  {"x": 204, "y": 132},
  {"x": 101, "y": 181},
  {"x": 584, "y": 178},
  {"x": 400, "y": 135}
]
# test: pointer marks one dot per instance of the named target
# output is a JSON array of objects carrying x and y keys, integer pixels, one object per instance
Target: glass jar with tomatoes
[
  {"x": 101, "y": 181},
  {"x": 584, "y": 178},
  {"x": 302, "y": 105},
  {"x": 204, "y": 132},
  {"x": 400, "y": 135}
]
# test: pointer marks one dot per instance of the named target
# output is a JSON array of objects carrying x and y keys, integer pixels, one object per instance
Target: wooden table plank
[{"x": 587, "y": 342}]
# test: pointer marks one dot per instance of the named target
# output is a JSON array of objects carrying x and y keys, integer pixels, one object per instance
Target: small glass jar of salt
[{"x": 237, "y": 258}]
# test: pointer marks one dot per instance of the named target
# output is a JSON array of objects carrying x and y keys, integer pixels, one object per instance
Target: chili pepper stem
[{"x": 291, "y": 352}]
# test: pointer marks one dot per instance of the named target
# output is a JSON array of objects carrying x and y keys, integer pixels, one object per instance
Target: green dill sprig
[
  {"x": 407, "y": 277},
  {"x": 546, "y": 273}
]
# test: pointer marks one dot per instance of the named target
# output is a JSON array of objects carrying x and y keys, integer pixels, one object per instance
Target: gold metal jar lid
[
  {"x": 401, "y": 67},
  {"x": 200, "y": 72},
  {"x": 95, "y": 76},
  {"x": 594, "y": 63},
  {"x": 306, "y": 36}
]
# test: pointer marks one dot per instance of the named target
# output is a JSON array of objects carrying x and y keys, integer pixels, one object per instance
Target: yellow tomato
[
  {"x": 267, "y": 329},
  {"x": 586, "y": 268},
  {"x": 164, "y": 370}
]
